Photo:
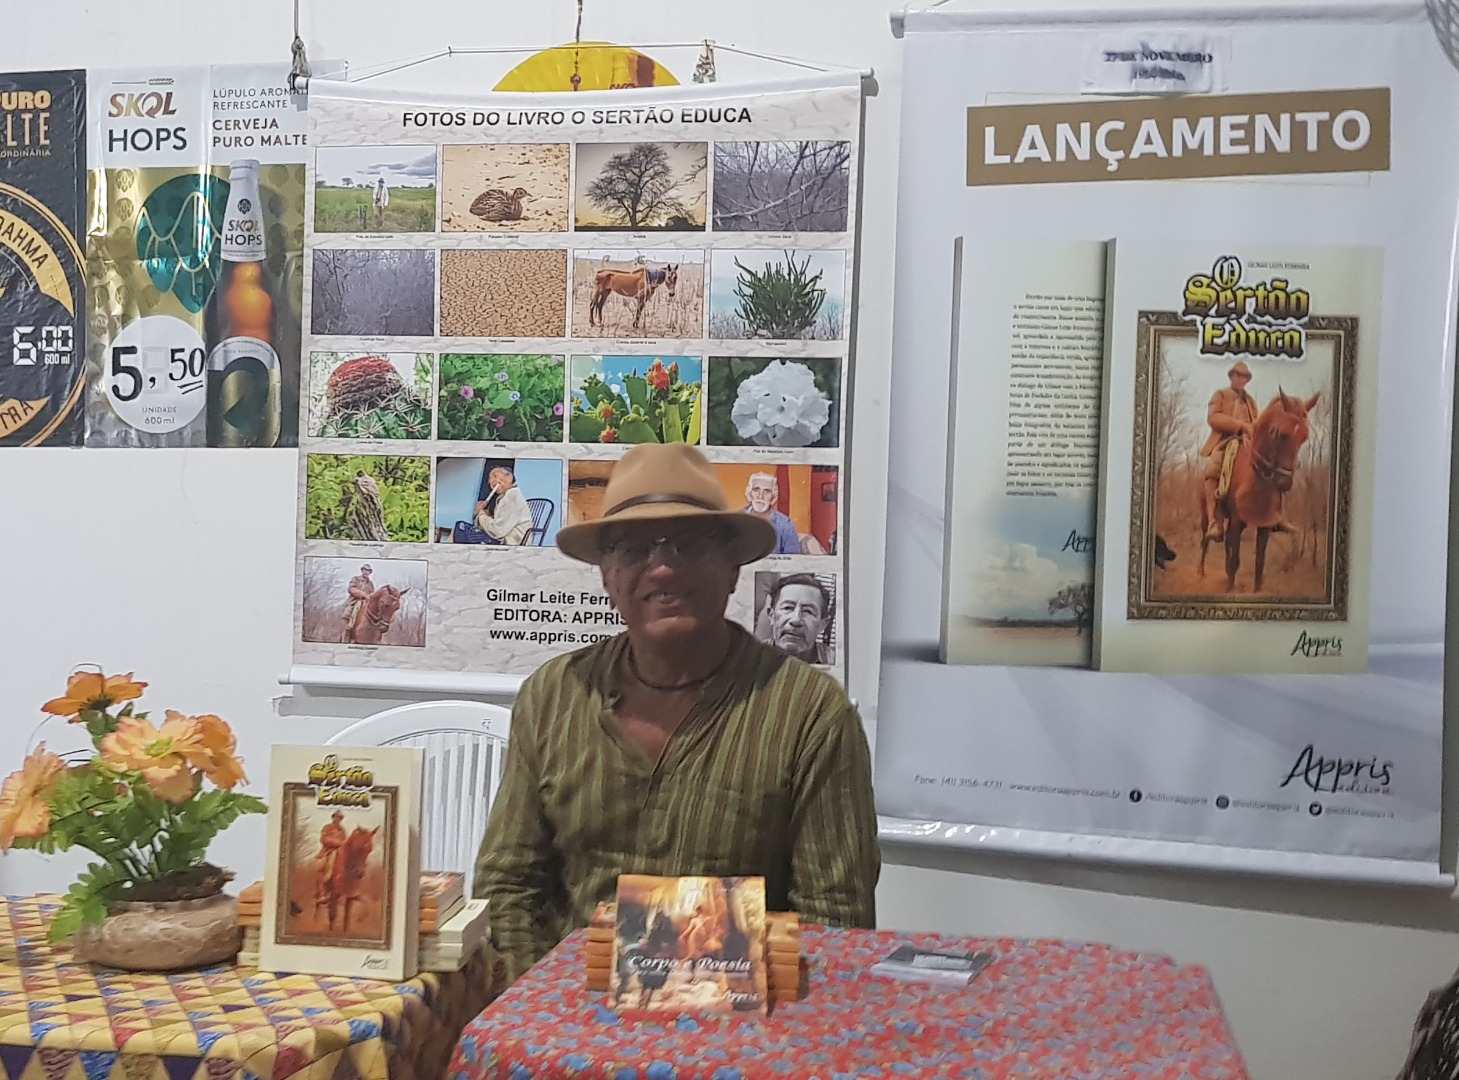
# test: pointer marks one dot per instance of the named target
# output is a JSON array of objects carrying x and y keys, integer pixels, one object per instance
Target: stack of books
[
  {"x": 452, "y": 928},
  {"x": 785, "y": 967}
]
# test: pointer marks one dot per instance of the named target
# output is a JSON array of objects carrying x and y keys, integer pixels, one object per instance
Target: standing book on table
[
  {"x": 1283, "y": 340},
  {"x": 690, "y": 943},
  {"x": 342, "y": 886}
]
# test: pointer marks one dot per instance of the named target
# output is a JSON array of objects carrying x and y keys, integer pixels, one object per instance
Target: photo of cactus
[
  {"x": 370, "y": 395},
  {"x": 779, "y": 295}
]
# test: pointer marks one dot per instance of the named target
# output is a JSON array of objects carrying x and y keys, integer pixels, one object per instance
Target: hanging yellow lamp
[{"x": 586, "y": 65}]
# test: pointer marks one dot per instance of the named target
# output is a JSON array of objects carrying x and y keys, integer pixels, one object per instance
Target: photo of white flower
[{"x": 773, "y": 402}]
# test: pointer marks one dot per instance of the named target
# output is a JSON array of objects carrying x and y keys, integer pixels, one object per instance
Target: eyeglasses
[{"x": 685, "y": 547}]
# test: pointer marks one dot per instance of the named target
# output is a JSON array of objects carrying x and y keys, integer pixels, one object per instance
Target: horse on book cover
[
  {"x": 1261, "y": 475},
  {"x": 341, "y": 890}
]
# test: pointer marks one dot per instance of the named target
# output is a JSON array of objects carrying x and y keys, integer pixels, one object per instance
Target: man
[
  {"x": 799, "y": 609},
  {"x": 682, "y": 746},
  {"x": 1230, "y": 415},
  {"x": 331, "y": 839},
  {"x": 362, "y": 587},
  {"x": 761, "y": 495},
  {"x": 504, "y": 515},
  {"x": 381, "y": 198}
]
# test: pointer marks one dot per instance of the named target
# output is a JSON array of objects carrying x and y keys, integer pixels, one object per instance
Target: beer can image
[{"x": 42, "y": 288}]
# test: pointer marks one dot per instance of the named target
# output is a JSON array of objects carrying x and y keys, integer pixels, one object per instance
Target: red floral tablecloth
[{"x": 1041, "y": 1008}]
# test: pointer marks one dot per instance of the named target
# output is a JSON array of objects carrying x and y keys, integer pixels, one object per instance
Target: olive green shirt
[{"x": 769, "y": 775}]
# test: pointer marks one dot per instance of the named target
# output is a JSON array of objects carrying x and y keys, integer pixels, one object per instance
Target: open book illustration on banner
[
  {"x": 690, "y": 943},
  {"x": 1023, "y": 454},
  {"x": 1238, "y": 463}
]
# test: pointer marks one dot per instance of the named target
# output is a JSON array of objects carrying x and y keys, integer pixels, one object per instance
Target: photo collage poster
[
  {"x": 503, "y": 293},
  {"x": 42, "y": 211},
  {"x": 194, "y": 256}
]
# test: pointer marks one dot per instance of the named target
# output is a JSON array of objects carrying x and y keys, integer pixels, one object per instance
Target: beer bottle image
[{"x": 243, "y": 364}]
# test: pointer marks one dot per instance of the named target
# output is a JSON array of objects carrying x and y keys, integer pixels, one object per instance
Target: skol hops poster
[
  {"x": 42, "y": 205},
  {"x": 503, "y": 293},
  {"x": 194, "y": 249}
]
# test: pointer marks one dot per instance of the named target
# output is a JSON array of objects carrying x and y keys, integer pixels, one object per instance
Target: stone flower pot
[{"x": 165, "y": 935}]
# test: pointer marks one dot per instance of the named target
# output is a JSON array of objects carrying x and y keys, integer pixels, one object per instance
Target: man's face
[
  {"x": 762, "y": 494},
  {"x": 666, "y": 593},
  {"x": 1239, "y": 381},
  {"x": 796, "y": 619}
]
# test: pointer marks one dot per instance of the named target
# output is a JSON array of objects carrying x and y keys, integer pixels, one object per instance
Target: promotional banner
[
  {"x": 194, "y": 254},
  {"x": 1168, "y": 584},
  {"x": 42, "y": 206},
  {"x": 503, "y": 293}
]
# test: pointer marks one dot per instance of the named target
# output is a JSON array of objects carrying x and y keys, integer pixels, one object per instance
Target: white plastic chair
[{"x": 465, "y": 744}]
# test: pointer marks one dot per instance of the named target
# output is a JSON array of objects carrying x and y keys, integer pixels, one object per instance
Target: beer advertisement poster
[
  {"x": 503, "y": 293},
  {"x": 1239, "y": 448},
  {"x": 342, "y": 881},
  {"x": 195, "y": 249},
  {"x": 1023, "y": 454},
  {"x": 42, "y": 289}
]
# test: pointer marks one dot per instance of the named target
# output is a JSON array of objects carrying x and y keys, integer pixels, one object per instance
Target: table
[
  {"x": 61, "y": 1020},
  {"x": 1041, "y": 1008}
]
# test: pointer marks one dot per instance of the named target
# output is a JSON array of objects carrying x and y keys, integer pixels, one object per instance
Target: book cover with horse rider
[
  {"x": 1239, "y": 442},
  {"x": 689, "y": 944},
  {"x": 342, "y": 881}
]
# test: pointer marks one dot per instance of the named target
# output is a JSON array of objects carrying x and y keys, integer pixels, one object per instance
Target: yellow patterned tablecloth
[{"x": 62, "y": 1020}]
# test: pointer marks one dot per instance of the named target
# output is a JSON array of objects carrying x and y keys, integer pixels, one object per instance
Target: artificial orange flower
[
  {"x": 218, "y": 758},
  {"x": 23, "y": 810},
  {"x": 162, "y": 755},
  {"x": 93, "y": 690}
]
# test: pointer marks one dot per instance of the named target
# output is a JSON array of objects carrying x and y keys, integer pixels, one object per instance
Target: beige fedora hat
[{"x": 667, "y": 482}]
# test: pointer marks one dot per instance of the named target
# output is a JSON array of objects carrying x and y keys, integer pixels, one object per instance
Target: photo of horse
[
  {"x": 641, "y": 187},
  {"x": 636, "y": 294},
  {"x": 336, "y": 866},
  {"x": 365, "y": 601},
  {"x": 1239, "y": 508}
]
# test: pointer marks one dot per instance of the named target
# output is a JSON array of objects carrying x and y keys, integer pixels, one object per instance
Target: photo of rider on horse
[
  {"x": 336, "y": 864},
  {"x": 1243, "y": 476}
]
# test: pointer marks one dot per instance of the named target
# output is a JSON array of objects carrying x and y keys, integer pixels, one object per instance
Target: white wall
[{"x": 179, "y": 564}]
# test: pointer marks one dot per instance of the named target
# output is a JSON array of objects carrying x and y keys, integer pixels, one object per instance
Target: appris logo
[
  {"x": 1357, "y": 776},
  {"x": 1312, "y": 647}
]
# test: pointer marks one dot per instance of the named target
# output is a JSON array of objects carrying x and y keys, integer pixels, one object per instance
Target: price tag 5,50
[{"x": 156, "y": 372}]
